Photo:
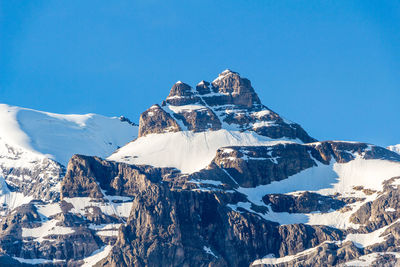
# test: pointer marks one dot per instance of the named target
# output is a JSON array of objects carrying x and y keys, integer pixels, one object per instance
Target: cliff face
[{"x": 174, "y": 223}]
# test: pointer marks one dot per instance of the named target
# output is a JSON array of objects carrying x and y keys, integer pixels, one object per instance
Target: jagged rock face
[
  {"x": 171, "y": 226},
  {"x": 305, "y": 202},
  {"x": 88, "y": 176},
  {"x": 344, "y": 152},
  {"x": 199, "y": 120},
  {"x": 198, "y": 220},
  {"x": 327, "y": 254},
  {"x": 228, "y": 102},
  {"x": 156, "y": 120},
  {"x": 299, "y": 237},
  {"x": 234, "y": 90},
  {"x": 252, "y": 166},
  {"x": 30, "y": 174},
  {"x": 168, "y": 226},
  {"x": 79, "y": 244},
  {"x": 382, "y": 211},
  {"x": 203, "y": 88},
  {"x": 182, "y": 94}
]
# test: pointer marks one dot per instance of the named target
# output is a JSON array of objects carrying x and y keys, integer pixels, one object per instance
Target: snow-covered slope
[
  {"x": 58, "y": 136},
  {"x": 186, "y": 151},
  {"x": 36, "y": 146}
]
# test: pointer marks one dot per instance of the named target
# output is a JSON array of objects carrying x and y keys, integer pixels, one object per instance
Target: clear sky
[{"x": 331, "y": 66}]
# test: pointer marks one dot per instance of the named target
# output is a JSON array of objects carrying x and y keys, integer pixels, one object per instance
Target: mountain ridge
[{"x": 214, "y": 178}]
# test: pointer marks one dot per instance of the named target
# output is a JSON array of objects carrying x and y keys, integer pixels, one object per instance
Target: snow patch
[
  {"x": 366, "y": 240},
  {"x": 186, "y": 108},
  {"x": 47, "y": 228},
  {"x": 49, "y": 209},
  {"x": 82, "y": 204},
  {"x": 97, "y": 256},
  {"x": 36, "y": 261},
  {"x": 186, "y": 151}
]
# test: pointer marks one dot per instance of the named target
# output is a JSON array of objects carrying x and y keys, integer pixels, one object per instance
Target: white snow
[
  {"x": 270, "y": 259},
  {"x": 10, "y": 199},
  {"x": 36, "y": 261},
  {"x": 186, "y": 151},
  {"x": 223, "y": 74},
  {"x": 262, "y": 113},
  {"x": 106, "y": 229},
  {"x": 46, "y": 228},
  {"x": 330, "y": 179},
  {"x": 367, "y": 260},
  {"x": 326, "y": 180},
  {"x": 49, "y": 209},
  {"x": 186, "y": 108},
  {"x": 261, "y": 124},
  {"x": 311, "y": 179},
  {"x": 212, "y": 182},
  {"x": 58, "y": 136},
  {"x": 102, "y": 227},
  {"x": 82, "y": 204},
  {"x": 390, "y": 210},
  {"x": 97, "y": 256},
  {"x": 367, "y": 173},
  {"x": 366, "y": 240}
]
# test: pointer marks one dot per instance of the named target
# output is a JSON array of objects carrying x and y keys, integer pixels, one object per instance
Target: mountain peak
[
  {"x": 180, "y": 89},
  {"x": 238, "y": 89},
  {"x": 226, "y": 73},
  {"x": 229, "y": 102}
]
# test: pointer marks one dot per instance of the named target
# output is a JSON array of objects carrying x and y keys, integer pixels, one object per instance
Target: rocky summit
[
  {"x": 210, "y": 177},
  {"x": 229, "y": 102}
]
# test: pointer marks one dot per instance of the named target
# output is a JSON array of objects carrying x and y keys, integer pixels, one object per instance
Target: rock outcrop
[{"x": 156, "y": 120}]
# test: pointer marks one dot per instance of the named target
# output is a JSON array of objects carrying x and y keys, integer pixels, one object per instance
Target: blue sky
[{"x": 332, "y": 66}]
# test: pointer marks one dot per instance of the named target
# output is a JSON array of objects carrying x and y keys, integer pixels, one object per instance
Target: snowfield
[
  {"x": 186, "y": 151},
  {"x": 326, "y": 180},
  {"x": 58, "y": 136}
]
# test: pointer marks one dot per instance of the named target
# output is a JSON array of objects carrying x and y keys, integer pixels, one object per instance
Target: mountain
[
  {"x": 214, "y": 178},
  {"x": 201, "y": 120},
  {"x": 35, "y": 148}
]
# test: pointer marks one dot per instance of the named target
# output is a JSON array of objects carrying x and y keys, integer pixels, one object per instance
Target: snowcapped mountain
[
  {"x": 214, "y": 178},
  {"x": 58, "y": 136},
  {"x": 191, "y": 124},
  {"x": 35, "y": 148}
]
